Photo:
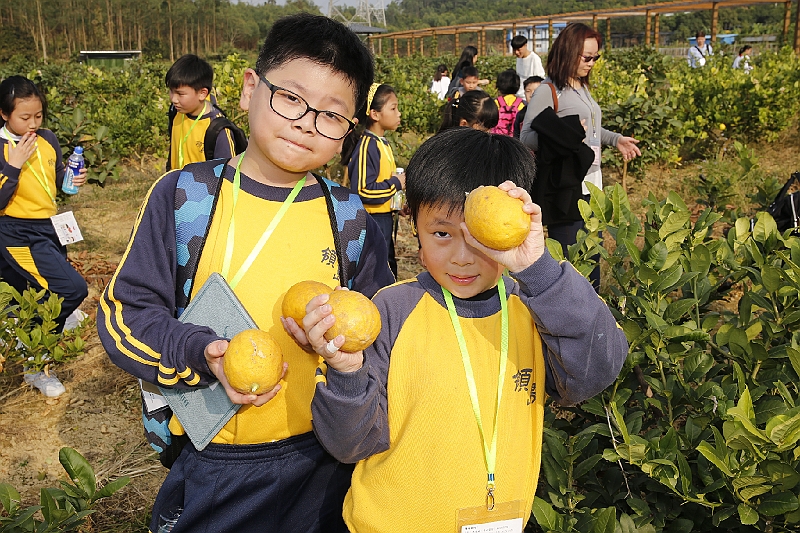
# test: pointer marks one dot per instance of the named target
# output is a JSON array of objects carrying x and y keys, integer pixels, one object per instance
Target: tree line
[{"x": 47, "y": 29}]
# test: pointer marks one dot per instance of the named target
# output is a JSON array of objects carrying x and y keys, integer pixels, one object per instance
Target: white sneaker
[{"x": 49, "y": 385}]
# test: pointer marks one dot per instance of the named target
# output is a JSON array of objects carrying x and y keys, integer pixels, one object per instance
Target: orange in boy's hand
[
  {"x": 298, "y": 296},
  {"x": 357, "y": 319},
  {"x": 495, "y": 219},
  {"x": 253, "y": 363}
]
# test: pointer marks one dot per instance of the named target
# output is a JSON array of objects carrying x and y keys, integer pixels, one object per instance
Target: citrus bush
[{"x": 700, "y": 431}]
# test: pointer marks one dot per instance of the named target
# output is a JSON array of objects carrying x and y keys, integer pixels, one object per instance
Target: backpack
[
  {"x": 505, "y": 125},
  {"x": 217, "y": 125},
  {"x": 196, "y": 195},
  {"x": 210, "y": 138},
  {"x": 785, "y": 208}
]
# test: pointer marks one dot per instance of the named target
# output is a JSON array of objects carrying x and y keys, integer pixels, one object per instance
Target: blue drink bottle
[{"x": 74, "y": 165}]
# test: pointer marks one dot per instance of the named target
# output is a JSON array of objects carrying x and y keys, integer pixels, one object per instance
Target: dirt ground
[{"x": 100, "y": 413}]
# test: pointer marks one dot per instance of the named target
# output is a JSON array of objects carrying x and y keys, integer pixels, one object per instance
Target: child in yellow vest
[
  {"x": 443, "y": 413},
  {"x": 31, "y": 172},
  {"x": 370, "y": 162},
  {"x": 190, "y": 80}
]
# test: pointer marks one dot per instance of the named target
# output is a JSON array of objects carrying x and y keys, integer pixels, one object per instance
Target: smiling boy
[
  {"x": 265, "y": 470},
  {"x": 443, "y": 413}
]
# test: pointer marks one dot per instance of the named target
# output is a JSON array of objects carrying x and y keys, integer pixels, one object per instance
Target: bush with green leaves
[
  {"x": 700, "y": 431},
  {"x": 28, "y": 331},
  {"x": 64, "y": 509}
]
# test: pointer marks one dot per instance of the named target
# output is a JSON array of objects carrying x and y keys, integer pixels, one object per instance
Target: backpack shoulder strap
[
  {"x": 555, "y": 95},
  {"x": 348, "y": 220},
  {"x": 196, "y": 195},
  {"x": 171, "y": 114},
  {"x": 212, "y": 132}
]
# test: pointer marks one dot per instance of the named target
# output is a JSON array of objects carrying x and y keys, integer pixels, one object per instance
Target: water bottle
[
  {"x": 74, "y": 166},
  {"x": 399, "y": 198},
  {"x": 168, "y": 520}
]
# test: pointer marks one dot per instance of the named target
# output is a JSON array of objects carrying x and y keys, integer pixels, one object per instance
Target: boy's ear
[
  {"x": 203, "y": 93},
  {"x": 463, "y": 122},
  {"x": 248, "y": 88}
]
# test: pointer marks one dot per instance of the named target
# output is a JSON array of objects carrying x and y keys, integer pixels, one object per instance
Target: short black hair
[
  {"x": 518, "y": 42},
  {"x": 508, "y": 82},
  {"x": 323, "y": 41},
  {"x": 532, "y": 79},
  {"x": 459, "y": 160},
  {"x": 190, "y": 71},
  {"x": 466, "y": 72},
  {"x": 699, "y": 34}
]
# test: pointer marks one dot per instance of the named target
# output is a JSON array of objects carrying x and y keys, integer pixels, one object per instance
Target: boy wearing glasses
[{"x": 265, "y": 470}]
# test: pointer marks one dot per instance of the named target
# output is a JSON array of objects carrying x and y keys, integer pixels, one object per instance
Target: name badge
[
  {"x": 506, "y": 517},
  {"x": 66, "y": 228},
  {"x": 594, "y": 144}
]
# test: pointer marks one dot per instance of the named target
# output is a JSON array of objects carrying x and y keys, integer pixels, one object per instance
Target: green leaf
[
  {"x": 657, "y": 255},
  {"x": 79, "y": 470},
  {"x": 111, "y": 487},
  {"x": 700, "y": 260},
  {"x": 764, "y": 227},
  {"x": 771, "y": 278},
  {"x": 747, "y": 514},
  {"x": 604, "y": 520},
  {"x": 545, "y": 515},
  {"x": 9, "y": 498},
  {"x": 778, "y": 504},
  {"x": 678, "y": 308},
  {"x": 675, "y": 221},
  {"x": 710, "y": 453},
  {"x": 669, "y": 278},
  {"x": 585, "y": 466}
]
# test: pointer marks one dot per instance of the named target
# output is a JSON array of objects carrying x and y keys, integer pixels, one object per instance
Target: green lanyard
[
  {"x": 226, "y": 262},
  {"x": 186, "y": 137},
  {"x": 41, "y": 179},
  {"x": 490, "y": 453}
]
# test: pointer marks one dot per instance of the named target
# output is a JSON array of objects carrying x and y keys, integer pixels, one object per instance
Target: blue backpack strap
[
  {"x": 349, "y": 225},
  {"x": 196, "y": 195}
]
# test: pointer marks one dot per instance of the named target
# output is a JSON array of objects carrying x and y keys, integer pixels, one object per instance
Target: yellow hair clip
[{"x": 371, "y": 94}]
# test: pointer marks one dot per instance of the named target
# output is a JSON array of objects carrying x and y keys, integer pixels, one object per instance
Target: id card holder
[
  {"x": 66, "y": 228},
  {"x": 507, "y": 517},
  {"x": 594, "y": 144}
]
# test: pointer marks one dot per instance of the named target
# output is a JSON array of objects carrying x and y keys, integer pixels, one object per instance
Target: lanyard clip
[{"x": 490, "y": 493}]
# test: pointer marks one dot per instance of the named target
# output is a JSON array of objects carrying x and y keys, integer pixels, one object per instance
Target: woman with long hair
[{"x": 573, "y": 113}]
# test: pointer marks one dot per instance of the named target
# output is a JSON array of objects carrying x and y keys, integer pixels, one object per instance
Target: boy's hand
[
  {"x": 317, "y": 321},
  {"x": 80, "y": 179},
  {"x": 19, "y": 154},
  {"x": 215, "y": 353},
  {"x": 524, "y": 255}
]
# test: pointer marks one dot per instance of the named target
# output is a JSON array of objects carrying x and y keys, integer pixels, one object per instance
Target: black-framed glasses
[
  {"x": 589, "y": 59},
  {"x": 292, "y": 106}
]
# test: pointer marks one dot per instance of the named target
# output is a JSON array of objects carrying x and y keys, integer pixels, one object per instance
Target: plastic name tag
[
  {"x": 594, "y": 144},
  {"x": 66, "y": 228},
  {"x": 506, "y": 517}
]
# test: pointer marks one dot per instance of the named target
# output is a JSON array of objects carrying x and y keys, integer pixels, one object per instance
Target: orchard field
[{"x": 700, "y": 431}]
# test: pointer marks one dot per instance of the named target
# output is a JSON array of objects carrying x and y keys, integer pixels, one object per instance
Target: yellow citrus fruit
[
  {"x": 357, "y": 319},
  {"x": 253, "y": 362},
  {"x": 495, "y": 219},
  {"x": 298, "y": 296},
  {"x": 722, "y": 127}
]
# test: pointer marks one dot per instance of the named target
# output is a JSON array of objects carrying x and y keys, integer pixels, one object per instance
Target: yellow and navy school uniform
[
  {"x": 406, "y": 417},
  {"x": 30, "y": 252},
  {"x": 371, "y": 170},
  {"x": 269, "y": 470},
  {"x": 187, "y": 138}
]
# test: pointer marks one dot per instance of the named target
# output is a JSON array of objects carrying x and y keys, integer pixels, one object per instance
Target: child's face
[
  {"x": 187, "y": 100},
  {"x": 470, "y": 83},
  {"x": 289, "y": 147},
  {"x": 388, "y": 118},
  {"x": 26, "y": 116},
  {"x": 454, "y": 264},
  {"x": 529, "y": 89}
]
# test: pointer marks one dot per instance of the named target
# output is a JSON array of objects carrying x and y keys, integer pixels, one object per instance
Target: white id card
[
  {"x": 66, "y": 228},
  {"x": 506, "y": 517},
  {"x": 513, "y": 525},
  {"x": 594, "y": 144}
]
